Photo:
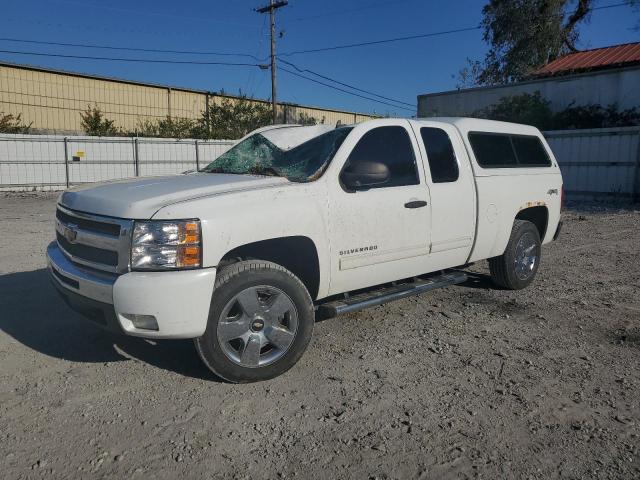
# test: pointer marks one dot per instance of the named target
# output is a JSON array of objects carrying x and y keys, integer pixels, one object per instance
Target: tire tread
[
  {"x": 499, "y": 267},
  {"x": 227, "y": 274}
]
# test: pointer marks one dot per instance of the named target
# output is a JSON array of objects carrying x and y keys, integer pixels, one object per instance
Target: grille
[
  {"x": 94, "y": 241},
  {"x": 85, "y": 252},
  {"x": 89, "y": 225}
]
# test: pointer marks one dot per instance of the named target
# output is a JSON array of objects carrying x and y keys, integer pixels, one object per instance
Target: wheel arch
[
  {"x": 298, "y": 254},
  {"x": 538, "y": 215}
]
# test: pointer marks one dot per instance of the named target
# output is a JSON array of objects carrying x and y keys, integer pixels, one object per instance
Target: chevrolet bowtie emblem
[{"x": 70, "y": 233}]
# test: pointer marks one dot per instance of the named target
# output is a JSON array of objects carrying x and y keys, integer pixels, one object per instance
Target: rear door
[{"x": 453, "y": 199}]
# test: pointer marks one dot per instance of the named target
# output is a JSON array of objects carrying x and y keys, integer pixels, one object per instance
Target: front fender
[{"x": 236, "y": 219}]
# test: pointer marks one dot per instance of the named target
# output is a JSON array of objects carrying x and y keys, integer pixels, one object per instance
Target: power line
[
  {"x": 162, "y": 61},
  {"x": 612, "y": 5},
  {"x": 131, "y": 49},
  {"x": 252, "y": 72},
  {"x": 135, "y": 60},
  {"x": 271, "y": 9},
  {"x": 349, "y": 10},
  {"x": 93, "y": 27},
  {"x": 254, "y": 57},
  {"x": 171, "y": 16},
  {"x": 413, "y": 37},
  {"x": 345, "y": 91},
  {"x": 378, "y": 42},
  {"x": 301, "y": 70}
]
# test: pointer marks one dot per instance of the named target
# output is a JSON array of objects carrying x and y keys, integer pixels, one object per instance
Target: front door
[{"x": 382, "y": 233}]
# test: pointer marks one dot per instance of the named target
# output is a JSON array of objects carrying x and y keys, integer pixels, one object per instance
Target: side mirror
[{"x": 364, "y": 174}]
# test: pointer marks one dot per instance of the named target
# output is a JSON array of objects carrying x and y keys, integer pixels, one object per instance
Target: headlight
[{"x": 166, "y": 245}]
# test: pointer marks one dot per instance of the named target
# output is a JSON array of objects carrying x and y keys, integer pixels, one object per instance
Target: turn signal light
[
  {"x": 190, "y": 233},
  {"x": 188, "y": 256}
]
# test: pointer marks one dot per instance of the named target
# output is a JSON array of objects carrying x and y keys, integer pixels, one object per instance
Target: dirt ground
[{"x": 466, "y": 382}]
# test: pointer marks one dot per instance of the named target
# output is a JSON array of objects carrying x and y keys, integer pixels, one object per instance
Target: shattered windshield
[{"x": 258, "y": 155}]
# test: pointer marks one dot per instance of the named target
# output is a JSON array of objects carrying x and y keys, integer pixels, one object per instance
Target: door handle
[{"x": 415, "y": 204}]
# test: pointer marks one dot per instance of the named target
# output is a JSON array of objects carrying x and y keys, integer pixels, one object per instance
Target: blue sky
[{"x": 399, "y": 70}]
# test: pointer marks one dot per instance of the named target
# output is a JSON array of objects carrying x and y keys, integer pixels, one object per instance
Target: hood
[{"x": 140, "y": 198}]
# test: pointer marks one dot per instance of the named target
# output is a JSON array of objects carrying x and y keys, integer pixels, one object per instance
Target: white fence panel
[
  {"x": 51, "y": 162},
  {"x": 598, "y": 163},
  {"x": 160, "y": 157},
  {"x": 209, "y": 150},
  {"x": 36, "y": 161},
  {"x": 94, "y": 159}
]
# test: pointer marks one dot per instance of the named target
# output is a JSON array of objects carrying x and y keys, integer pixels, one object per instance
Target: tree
[
  {"x": 524, "y": 35},
  {"x": 469, "y": 75},
  {"x": 233, "y": 118},
  {"x": 13, "y": 124},
  {"x": 95, "y": 124}
]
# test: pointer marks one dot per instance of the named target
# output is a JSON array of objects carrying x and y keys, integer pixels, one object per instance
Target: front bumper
[
  {"x": 179, "y": 300},
  {"x": 102, "y": 314}
]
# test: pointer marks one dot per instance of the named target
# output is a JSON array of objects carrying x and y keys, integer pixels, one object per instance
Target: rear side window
[
  {"x": 494, "y": 150},
  {"x": 391, "y": 146},
  {"x": 530, "y": 151},
  {"x": 440, "y": 154}
]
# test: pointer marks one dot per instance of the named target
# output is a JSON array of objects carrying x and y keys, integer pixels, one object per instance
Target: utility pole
[{"x": 271, "y": 8}]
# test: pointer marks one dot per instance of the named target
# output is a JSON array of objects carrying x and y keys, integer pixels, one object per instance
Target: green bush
[
  {"x": 95, "y": 124},
  {"x": 165, "y": 128},
  {"x": 304, "y": 119},
  {"x": 533, "y": 109},
  {"x": 596, "y": 116},
  {"x": 229, "y": 119},
  {"x": 530, "y": 109},
  {"x": 232, "y": 119},
  {"x": 13, "y": 124}
]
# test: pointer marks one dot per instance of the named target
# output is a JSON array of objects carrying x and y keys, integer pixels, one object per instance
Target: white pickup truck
[{"x": 296, "y": 221}]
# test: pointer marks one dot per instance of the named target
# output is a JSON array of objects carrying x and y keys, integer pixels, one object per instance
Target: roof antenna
[{"x": 338, "y": 123}]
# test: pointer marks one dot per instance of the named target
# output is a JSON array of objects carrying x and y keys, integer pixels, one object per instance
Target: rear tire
[
  {"x": 517, "y": 266},
  {"x": 260, "y": 322}
]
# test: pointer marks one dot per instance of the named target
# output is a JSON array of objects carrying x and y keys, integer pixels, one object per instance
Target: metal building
[
  {"x": 52, "y": 100},
  {"x": 601, "y": 76}
]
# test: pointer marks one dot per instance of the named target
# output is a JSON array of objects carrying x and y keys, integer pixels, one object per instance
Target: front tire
[
  {"x": 517, "y": 266},
  {"x": 260, "y": 322}
]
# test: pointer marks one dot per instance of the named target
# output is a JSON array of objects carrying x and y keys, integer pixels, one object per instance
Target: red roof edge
[{"x": 594, "y": 59}]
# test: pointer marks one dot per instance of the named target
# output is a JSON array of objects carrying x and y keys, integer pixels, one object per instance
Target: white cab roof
[{"x": 465, "y": 124}]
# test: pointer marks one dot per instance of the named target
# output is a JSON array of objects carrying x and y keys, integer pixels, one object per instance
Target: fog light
[{"x": 143, "y": 322}]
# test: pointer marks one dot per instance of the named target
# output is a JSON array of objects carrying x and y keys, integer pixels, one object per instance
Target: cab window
[
  {"x": 392, "y": 147},
  {"x": 499, "y": 150},
  {"x": 440, "y": 155}
]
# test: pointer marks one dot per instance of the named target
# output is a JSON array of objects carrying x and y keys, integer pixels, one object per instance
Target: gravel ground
[{"x": 463, "y": 382}]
